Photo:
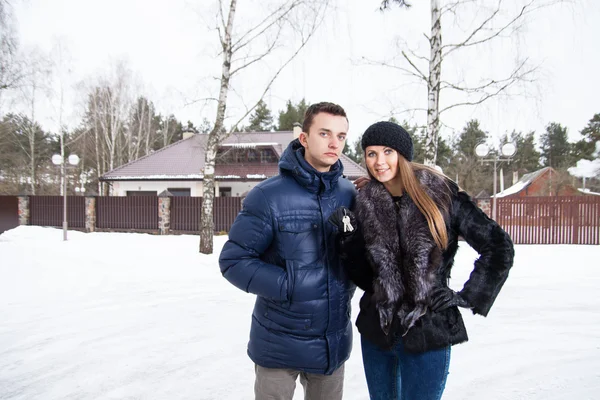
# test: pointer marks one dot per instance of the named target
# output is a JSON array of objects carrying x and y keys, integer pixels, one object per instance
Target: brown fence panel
[
  {"x": 185, "y": 213},
  {"x": 48, "y": 211},
  {"x": 551, "y": 220},
  {"x": 127, "y": 213},
  {"x": 226, "y": 209},
  {"x": 9, "y": 212}
]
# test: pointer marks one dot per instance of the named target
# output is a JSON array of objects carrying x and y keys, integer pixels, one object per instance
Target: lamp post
[
  {"x": 59, "y": 160},
  {"x": 507, "y": 151}
]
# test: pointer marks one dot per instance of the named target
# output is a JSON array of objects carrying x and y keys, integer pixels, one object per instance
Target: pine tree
[
  {"x": 292, "y": 114},
  {"x": 261, "y": 119},
  {"x": 556, "y": 149},
  {"x": 354, "y": 151},
  {"x": 527, "y": 158},
  {"x": 465, "y": 166},
  {"x": 585, "y": 148}
]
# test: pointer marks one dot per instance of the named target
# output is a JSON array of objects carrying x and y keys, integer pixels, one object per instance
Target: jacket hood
[{"x": 293, "y": 163}]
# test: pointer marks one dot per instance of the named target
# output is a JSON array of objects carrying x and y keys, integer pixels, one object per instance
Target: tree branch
[
  {"x": 256, "y": 58},
  {"x": 385, "y": 4},
  {"x": 516, "y": 76},
  {"x": 421, "y": 74},
  {"x": 386, "y": 64},
  {"x": 469, "y": 40},
  {"x": 303, "y": 43},
  {"x": 244, "y": 40}
]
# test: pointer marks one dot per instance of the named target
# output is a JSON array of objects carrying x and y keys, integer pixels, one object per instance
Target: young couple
[{"x": 304, "y": 239}]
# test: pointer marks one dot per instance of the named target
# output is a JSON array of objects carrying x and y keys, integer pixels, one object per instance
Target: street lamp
[
  {"x": 507, "y": 151},
  {"x": 59, "y": 160}
]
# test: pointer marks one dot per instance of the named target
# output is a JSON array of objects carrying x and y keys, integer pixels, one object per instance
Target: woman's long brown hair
[{"x": 431, "y": 211}]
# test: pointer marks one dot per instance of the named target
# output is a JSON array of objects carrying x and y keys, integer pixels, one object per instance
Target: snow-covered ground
[{"x": 135, "y": 316}]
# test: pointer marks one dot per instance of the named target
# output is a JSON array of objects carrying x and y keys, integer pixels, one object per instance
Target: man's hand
[
  {"x": 361, "y": 182},
  {"x": 443, "y": 298},
  {"x": 345, "y": 220}
]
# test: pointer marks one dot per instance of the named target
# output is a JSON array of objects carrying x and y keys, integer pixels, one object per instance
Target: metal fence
[
  {"x": 185, "y": 213},
  {"x": 528, "y": 220},
  {"x": 127, "y": 213},
  {"x": 551, "y": 220},
  {"x": 9, "y": 212},
  {"x": 49, "y": 211}
]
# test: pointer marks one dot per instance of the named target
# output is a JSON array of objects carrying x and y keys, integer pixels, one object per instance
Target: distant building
[
  {"x": 243, "y": 160},
  {"x": 543, "y": 182}
]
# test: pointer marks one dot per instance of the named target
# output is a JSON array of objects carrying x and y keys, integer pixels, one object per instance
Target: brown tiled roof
[{"x": 184, "y": 160}]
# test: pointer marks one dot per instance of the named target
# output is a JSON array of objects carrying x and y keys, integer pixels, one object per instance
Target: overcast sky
[{"x": 172, "y": 51}]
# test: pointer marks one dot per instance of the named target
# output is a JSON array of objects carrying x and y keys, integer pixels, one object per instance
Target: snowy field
[{"x": 135, "y": 316}]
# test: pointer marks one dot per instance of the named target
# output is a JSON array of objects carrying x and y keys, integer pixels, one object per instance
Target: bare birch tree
[
  {"x": 494, "y": 20},
  {"x": 107, "y": 109},
  {"x": 10, "y": 71},
  {"x": 141, "y": 131},
  {"x": 242, "y": 50},
  {"x": 35, "y": 83}
]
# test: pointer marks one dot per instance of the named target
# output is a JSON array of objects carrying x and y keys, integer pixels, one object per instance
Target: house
[
  {"x": 543, "y": 182},
  {"x": 243, "y": 160}
]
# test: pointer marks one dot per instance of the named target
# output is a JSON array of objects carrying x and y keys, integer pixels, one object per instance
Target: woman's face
[{"x": 382, "y": 162}]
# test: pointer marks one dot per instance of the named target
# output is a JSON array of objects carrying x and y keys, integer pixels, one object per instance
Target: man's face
[{"x": 325, "y": 140}]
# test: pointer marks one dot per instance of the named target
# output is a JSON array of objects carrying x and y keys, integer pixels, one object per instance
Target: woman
[{"x": 399, "y": 248}]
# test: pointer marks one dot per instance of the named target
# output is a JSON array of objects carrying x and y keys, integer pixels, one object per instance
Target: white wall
[
  {"x": 120, "y": 188},
  {"x": 238, "y": 188}
]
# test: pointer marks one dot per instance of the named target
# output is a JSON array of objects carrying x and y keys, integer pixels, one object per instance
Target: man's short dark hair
[{"x": 323, "y": 107}]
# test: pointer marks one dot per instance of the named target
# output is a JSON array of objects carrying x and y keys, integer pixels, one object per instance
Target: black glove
[
  {"x": 445, "y": 297},
  {"x": 336, "y": 218}
]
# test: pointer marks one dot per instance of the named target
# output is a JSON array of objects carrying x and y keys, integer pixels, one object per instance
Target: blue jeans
[{"x": 397, "y": 375}]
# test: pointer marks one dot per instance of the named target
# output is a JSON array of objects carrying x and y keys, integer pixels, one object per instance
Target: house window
[
  {"x": 225, "y": 156},
  {"x": 225, "y": 192},
  {"x": 180, "y": 192},
  {"x": 267, "y": 156},
  {"x": 141, "y": 193},
  {"x": 252, "y": 156}
]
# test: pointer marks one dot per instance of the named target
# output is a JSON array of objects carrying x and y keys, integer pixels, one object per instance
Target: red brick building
[{"x": 543, "y": 182}]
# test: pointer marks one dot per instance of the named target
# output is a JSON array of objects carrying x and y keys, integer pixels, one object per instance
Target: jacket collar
[{"x": 293, "y": 163}]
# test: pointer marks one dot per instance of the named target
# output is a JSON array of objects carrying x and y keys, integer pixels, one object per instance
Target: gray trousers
[{"x": 279, "y": 384}]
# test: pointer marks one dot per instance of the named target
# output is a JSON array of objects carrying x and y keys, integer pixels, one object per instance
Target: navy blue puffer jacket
[{"x": 282, "y": 249}]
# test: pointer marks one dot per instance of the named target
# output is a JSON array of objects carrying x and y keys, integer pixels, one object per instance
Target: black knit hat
[{"x": 390, "y": 135}]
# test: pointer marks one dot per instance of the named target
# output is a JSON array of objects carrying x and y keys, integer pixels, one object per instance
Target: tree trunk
[
  {"x": 206, "y": 219},
  {"x": 433, "y": 85}
]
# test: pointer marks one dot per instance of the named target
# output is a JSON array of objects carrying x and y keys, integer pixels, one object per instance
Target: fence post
[
  {"x": 575, "y": 215},
  {"x": 23, "y": 210},
  {"x": 164, "y": 212},
  {"x": 90, "y": 213}
]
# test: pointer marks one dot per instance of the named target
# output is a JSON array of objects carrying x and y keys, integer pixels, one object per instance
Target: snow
[
  {"x": 516, "y": 188},
  {"x": 586, "y": 169},
  {"x": 138, "y": 316},
  {"x": 587, "y": 191},
  {"x": 156, "y": 176},
  {"x": 249, "y": 145}
]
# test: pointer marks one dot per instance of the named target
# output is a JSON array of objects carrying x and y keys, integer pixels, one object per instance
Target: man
[{"x": 282, "y": 249}]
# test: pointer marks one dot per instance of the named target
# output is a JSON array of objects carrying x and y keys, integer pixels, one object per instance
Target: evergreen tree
[
  {"x": 465, "y": 166},
  {"x": 354, "y": 151},
  {"x": 444, "y": 152},
  {"x": 527, "y": 158},
  {"x": 585, "y": 148},
  {"x": 556, "y": 149},
  {"x": 291, "y": 115},
  {"x": 25, "y": 156},
  {"x": 261, "y": 119}
]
